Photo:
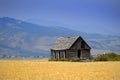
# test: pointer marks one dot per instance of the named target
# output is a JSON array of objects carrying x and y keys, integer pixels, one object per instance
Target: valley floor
[{"x": 44, "y": 70}]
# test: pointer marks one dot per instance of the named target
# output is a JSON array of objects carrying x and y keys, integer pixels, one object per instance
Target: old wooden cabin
[{"x": 70, "y": 48}]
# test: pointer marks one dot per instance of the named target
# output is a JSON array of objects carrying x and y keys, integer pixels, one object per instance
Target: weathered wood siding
[
  {"x": 85, "y": 54},
  {"x": 72, "y": 53},
  {"x": 78, "y": 45},
  {"x": 58, "y": 54}
]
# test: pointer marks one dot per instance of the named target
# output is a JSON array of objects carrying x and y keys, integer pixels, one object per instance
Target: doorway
[{"x": 79, "y": 53}]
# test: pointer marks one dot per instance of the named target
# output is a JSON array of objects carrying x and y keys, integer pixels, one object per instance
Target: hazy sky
[{"x": 91, "y": 16}]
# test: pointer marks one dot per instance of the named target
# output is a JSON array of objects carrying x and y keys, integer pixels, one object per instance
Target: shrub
[
  {"x": 101, "y": 58},
  {"x": 108, "y": 57},
  {"x": 64, "y": 59},
  {"x": 76, "y": 60}
]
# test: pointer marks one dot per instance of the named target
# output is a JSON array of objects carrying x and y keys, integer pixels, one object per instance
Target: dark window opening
[
  {"x": 55, "y": 54},
  {"x": 79, "y": 53},
  {"x": 65, "y": 55},
  {"x": 59, "y": 55}
]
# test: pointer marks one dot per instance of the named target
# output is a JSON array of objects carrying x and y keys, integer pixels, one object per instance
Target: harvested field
[{"x": 44, "y": 70}]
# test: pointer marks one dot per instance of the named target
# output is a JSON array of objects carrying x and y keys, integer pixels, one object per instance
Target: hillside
[{"x": 20, "y": 38}]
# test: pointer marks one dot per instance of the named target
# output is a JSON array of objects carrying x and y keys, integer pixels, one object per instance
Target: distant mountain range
[{"x": 20, "y": 38}]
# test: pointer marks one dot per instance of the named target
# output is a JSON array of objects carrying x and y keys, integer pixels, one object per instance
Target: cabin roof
[{"x": 63, "y": 43}]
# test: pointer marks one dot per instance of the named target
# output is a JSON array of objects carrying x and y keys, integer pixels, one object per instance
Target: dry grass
[{"x": 41, "y": 70}]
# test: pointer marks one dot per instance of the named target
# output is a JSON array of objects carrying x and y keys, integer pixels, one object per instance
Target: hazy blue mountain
[{"x": 20, "y": 38}]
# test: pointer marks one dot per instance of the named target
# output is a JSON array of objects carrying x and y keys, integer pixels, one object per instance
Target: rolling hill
[{"x": 20, "y": 38}]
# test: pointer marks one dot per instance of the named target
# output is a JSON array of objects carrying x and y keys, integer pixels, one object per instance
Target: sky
[{"x": 90, "y": 16}]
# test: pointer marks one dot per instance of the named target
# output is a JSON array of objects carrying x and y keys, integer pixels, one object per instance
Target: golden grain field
[{"x": 41, "y": 70}]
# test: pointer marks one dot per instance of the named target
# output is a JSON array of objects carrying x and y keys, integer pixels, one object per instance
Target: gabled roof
[{"x": 64, "y": 43}]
